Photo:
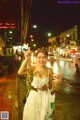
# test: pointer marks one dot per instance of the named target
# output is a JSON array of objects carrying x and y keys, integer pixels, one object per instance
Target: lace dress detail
[{"x": 37, "y": 102}]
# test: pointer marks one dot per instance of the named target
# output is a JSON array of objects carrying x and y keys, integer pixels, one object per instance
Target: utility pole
[
  {"x": 24, "y": 19},
  {"x": 25, "y": 13},
  {"x": 21, "y": 22}
]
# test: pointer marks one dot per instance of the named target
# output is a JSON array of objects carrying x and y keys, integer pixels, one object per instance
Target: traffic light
[{"x": 9, "y": 38}]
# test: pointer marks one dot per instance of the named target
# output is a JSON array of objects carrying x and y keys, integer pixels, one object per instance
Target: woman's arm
[
  {"x": 22, "y": 70},
  {"x": 50, "y": 78},
  {"x": 51, "y": 82},
  {"x": 26, "y": 63}
]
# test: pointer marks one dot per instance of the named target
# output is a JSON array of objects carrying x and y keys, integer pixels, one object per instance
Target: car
[
  {"x": 77, "y": 64},
  {"x": 52, "y": 58}
]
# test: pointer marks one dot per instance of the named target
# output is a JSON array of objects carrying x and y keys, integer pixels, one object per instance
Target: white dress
[{"x": 36, "y": 105}]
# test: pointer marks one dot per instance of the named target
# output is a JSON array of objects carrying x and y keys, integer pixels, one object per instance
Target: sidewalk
[{"x": 8, "y": 97}]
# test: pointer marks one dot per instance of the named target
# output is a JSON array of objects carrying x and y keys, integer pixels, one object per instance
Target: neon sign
[{"x": 7, "y": 25}]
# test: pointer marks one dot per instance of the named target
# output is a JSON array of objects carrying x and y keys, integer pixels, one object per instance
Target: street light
[
  {"x": 34, "y": 45},
  {"x": 31, "y": 36},
  {"x": 34, "y": 26},
  {"x": 10, "y": 32},
  {"x": 68, "y": 38},
  {"x": 31, "y": 41},
  {"x": 49, "y": 34}
]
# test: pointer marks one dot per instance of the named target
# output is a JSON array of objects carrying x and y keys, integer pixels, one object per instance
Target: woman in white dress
[{"x": 36, "y": 106}]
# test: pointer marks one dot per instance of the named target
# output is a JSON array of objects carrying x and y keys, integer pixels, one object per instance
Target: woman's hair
[{"x": 42, "y": 51}]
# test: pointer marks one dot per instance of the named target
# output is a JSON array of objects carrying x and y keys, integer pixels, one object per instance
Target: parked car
[{"x": 77, "y": 64}]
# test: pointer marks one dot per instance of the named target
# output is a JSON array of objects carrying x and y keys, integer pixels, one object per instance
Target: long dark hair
[{"x": 42, "y": 51}]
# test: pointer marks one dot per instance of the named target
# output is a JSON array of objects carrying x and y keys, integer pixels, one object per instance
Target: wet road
[
  {"x": 65, "y": 74},
  {"x": 66, "y": 84}
]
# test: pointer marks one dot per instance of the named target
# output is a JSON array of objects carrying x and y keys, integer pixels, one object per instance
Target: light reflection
[
  {"x": 9, "y": 96},
  {"x": 48, "y": 64},
  {"x": 62, "y": 63},
  {"x": 55, "y": 68},
  {"x": 67, "y": 90}
]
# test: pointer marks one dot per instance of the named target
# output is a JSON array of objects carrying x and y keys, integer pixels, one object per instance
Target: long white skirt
[{"x": 36, "y": 106}]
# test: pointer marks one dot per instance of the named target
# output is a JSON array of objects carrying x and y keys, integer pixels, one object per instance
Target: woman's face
[{"x": 41, "y": 59}]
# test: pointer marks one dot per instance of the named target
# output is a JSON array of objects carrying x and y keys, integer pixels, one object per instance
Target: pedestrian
[{"x": 36, "y": 106}]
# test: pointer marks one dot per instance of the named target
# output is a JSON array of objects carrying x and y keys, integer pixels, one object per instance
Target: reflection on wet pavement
[{"x": 64, "y": 76}]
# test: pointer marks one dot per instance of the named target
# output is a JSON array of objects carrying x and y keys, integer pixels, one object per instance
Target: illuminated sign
[{"x": 7, "y": 25}]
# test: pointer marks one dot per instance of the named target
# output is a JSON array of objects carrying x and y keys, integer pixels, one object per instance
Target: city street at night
[
  {"x": 35, "y": 34},
  {"x": 65, "y": 84}
]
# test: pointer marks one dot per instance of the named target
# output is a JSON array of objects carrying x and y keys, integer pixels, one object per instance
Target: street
[
  {"x": 67, "y": 88},
  {"x": 66, "y": 84},
  {"x": 64, "y": 73}
]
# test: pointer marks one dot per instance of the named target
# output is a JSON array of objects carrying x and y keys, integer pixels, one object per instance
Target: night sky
[
  {"x": 53, "y": 16},
  {"x": 8, "y": 11}
]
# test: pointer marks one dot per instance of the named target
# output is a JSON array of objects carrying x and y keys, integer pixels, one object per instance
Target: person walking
[{"x": 37, "y": 102}]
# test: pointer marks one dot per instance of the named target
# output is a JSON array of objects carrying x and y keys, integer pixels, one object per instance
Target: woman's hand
[
  {"x": 27, "y": 56},
  {"x": 43, "y": 88}
]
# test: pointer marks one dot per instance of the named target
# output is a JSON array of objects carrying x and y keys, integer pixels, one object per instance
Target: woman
[{"x": 36, "y": 106}]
